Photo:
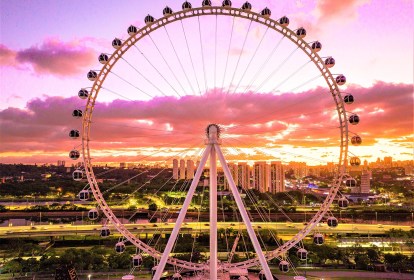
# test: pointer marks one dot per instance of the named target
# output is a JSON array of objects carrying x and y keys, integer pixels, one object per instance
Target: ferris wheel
[{"x": 211, "y": 55}]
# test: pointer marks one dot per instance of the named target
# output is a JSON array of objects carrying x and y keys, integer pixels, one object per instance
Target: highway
[{"x": 188, "y": 228}]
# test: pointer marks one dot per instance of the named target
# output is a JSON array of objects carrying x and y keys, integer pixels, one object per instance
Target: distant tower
[
  {"x": 277, "y": 177},
  {"x": 175, "y": 169},
  {"x": 243, "y": 174},
  {"x": 261, "y": 177},
  {"x": 365, "y": 182},
  {"x": 182, "y": 169},
  {"x": 234, "y": 173},
  {"x": 190, "y": 169}
]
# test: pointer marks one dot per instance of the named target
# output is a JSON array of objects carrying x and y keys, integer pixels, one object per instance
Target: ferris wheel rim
[{"x": 231, "y": 12}]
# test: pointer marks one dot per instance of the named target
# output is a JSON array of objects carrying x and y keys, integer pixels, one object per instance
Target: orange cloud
[{"x": 128, "y": 129}]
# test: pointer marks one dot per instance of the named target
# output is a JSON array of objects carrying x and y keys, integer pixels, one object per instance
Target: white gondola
[
  {"x": 120, "y": 247},
  {"x": 83, "y": 93},
  {"x": 92, "y": 75},
  {"x": 132, "y": 30},
  {"x": 74, "y": 133},
  {"x": 262, "y": 275},
  {"x": 74, "y": 154},
  {"x": 284, "y": 266},
  {"x": 84, "y": 195},
  {"x": 356, "y": 140},
  {"x": 301, "y": 32},
  {"x": 153, "y": 270},
  {"x": 206, "y": 3},
  {"x": 77, "y": 113},
  {"x": 330, "y": 62},
  {"x": 137, "y": 260},
  {"x": 103, "y": 58},
  {"x": 318, "y": 239},
  {"x": 93, "y": 214},
  {"x": 167, "y": 11},
  {"x": 316, "y": 46},
  {"x": 332, "y": 222},
  {"x": 349, "y": 99},
  {"x": 226, "y": 3},
  {"x": 186, "y": 6},
  {"x": 116, "y": 43},
  {"x": 266, "y": 12},
  {"x": 340, "y": 80},
  {"x": 284, "y": 21},
  {"x": 354, "y": 119},
  {"x": 149, "y": 19},
  {"x": 105, "y": 232},
  {"x": 77, "y": 175},
  {"x": 355, "y": 161},
  {"x": 246, "y": 6},
  {"x": 350, "y": 182},
  {"x": 302, "y": 254},
  {"x": 343, "y": 203}
]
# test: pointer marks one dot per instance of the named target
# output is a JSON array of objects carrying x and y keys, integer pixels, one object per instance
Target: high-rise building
[
  {"x": 61, "y": 163},
  {"x": 243, "y": 174},
  {"x": 261, "y": 176},
  {"x": 190, "y": 169},
  {"x": 277, "y": 177},
  {"x": 175, "y": 169},
  {"x": 234, "y": 173},
  {"x": 365, "y": 182},
  {"x": 388, "y": 161},
  {"x": 122, "y": 165},
  {"x": 182, "y": 169},
  {"x": 300, "y": 169}
]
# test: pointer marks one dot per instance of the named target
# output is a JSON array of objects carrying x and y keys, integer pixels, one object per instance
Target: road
[{"x": 188, "y": 228}]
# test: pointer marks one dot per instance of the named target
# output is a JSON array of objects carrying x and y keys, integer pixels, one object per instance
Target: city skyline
[{"x": 53, "y": 61}]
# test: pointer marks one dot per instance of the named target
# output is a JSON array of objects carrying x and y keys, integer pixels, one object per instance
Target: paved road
[{"x": 190, "y": 227}]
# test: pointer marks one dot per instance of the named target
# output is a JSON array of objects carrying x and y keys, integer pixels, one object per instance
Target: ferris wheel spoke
[
  {"x": 305, "y": 83},
  {"x": 270, "y": 76},
  {"x": 251, "y": 60},
  {"x": 240, "y": 55},
  {"x": 228, "y": 53},
  {"x": 143, "y": 76},
  {"x": 156, "y": 69},
  {"x": 129, "y": 83},
  {"x": 202, "y": 55},
  {"x": 190, "y": 56},
  {"x": 116, "y": 93},
  {"x": 179, "y": 60},
  {"x": 166, "y": 63},
  {"x": 263, "y": 65},
  {"x": 215, "y": 56},
  {"x": 290, "y": 76}
]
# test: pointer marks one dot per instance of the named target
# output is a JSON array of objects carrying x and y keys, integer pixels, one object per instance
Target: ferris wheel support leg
[
  {"x": 244, "y": 215},
  {"x": 213, "y": 215},
  {"x": 181, "y": 216}
]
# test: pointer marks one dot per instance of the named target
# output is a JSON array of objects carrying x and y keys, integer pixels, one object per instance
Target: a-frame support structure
[{"x": 213, "y": 152}]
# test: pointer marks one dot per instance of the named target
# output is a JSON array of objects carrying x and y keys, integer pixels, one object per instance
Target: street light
[{"x": 89, "y": 276}]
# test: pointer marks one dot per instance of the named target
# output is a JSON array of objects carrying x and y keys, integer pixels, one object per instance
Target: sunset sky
[{"x": 48, "y": 46}]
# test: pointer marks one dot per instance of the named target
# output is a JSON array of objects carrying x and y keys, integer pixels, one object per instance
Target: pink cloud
[
  {"x": 52, "y": 57},
  {"x": 250, "y": 119},
  {"x": 7, "y": 56},
  {"x": 338, "y": 10}
]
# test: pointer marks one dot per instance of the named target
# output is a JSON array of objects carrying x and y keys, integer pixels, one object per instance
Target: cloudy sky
[{"x": 270, "y": 101}]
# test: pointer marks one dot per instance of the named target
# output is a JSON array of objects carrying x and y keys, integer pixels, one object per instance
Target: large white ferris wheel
[{"x": 193, "y": 52}]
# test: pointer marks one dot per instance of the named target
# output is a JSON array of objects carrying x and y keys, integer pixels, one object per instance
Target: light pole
[
  {"x": 89, "y": 276},
  {"x": 376, "y": 217}
]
